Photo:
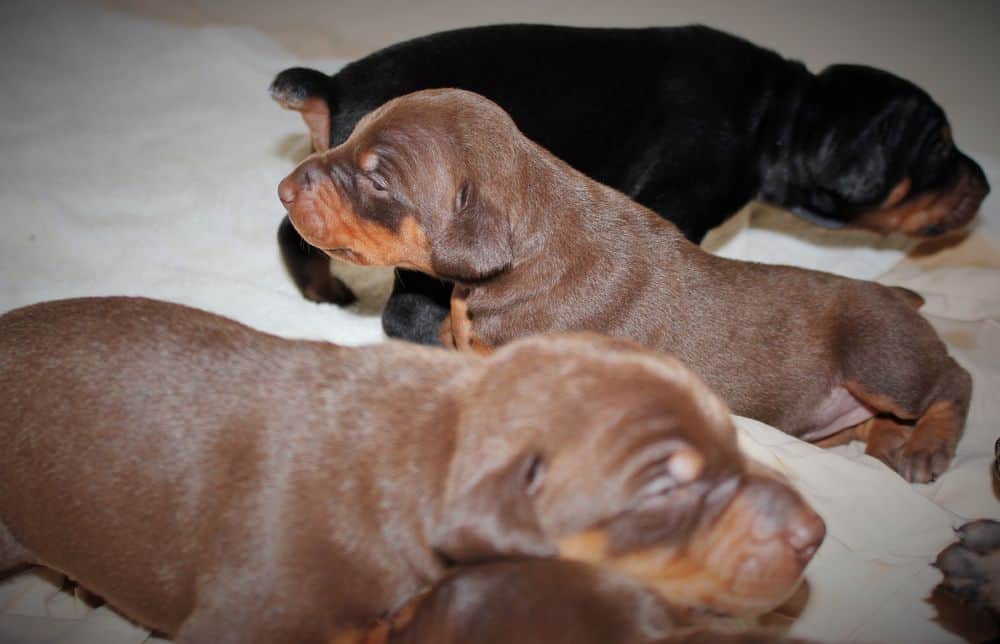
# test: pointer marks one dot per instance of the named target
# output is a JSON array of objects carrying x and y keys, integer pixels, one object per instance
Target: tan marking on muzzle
[
  {"x": 456, "y": 331},
  {"x": 941, "y": 210},
  {"x": 328, "y": 222},
  {"x": 731, "y": 566}
]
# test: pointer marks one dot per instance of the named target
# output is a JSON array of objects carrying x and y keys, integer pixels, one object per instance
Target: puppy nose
[
  {"x": 805, "y": 532},
  {"x": 288, "y": 189},
  {"x": 786, "y": 516},
  {"x": 302, "y": 178},
  {"x": 980, "y": 184}
]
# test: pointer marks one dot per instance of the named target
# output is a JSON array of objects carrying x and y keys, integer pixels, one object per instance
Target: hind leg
[
  {"x": 883, "y": 437},
  {"x": 926, "y": 455},
  {"x": 923, "y": 454}
]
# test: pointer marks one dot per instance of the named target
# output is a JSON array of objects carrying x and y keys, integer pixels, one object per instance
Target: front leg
[
  {"x": 457, "y": 331},
  {"x": 309, "y": 268},
  {"x": 445, "y": 334},
  {"x": 417, "y": 307}
]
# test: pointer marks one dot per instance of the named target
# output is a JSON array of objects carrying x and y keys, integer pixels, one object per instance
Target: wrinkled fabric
[{"x": 141, "y": 158}]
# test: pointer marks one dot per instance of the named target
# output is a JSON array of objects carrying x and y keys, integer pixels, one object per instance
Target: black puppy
[{"x": 688, "y": 121}]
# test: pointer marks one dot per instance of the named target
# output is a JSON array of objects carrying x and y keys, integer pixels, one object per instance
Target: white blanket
[{"x": 142, "y": 158}]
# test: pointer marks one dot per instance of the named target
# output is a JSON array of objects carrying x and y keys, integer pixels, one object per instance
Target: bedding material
[{"x": 140, "y": 158}]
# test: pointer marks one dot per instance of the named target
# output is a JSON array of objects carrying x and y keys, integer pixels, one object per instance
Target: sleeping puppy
[
  {"x": 442, "y": 181},
  {"x": 688, "y": 121},
  {"x": 544, "y": 601},
  {"x": 223, "y": 485}
]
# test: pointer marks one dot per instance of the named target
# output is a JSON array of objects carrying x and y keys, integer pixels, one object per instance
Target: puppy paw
[
  {"x": 928, "y": 451},
  {"x": 922, "y": 461},
  {"x": 971, "y": 567},
  {"x": 330, "y": 290}
]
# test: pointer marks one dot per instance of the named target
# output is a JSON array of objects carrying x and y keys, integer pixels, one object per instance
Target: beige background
[{"x": 952, "y": 49}]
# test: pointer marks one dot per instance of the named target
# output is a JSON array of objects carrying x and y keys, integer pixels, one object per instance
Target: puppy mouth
[{"x": 347, "y": 255}]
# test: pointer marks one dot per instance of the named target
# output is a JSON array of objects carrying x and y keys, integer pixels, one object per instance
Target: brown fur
[
  {"x": 544, "y": 601},
  {"x": 225, "y": 485},
  {"x": 537, "y": 246}
]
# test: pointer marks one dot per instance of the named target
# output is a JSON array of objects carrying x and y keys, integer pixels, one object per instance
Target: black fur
[{"x": 688, "y": 121}]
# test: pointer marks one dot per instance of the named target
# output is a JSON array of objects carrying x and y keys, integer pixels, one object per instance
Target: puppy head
[
  {"x": 598, "y": 450},
  {"x": 873, "y": 150},
  {"x": 424, "y": 182}
]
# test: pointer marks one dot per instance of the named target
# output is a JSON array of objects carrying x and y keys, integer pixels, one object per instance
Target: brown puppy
[
  {"x": 442, "y": 181},
  {"x": 224, "y": 485},
  {"x": 544, "y": 601}
]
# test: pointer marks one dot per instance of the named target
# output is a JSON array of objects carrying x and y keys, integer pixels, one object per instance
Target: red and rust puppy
[
  {"x": 442, "y": 181},
  {"x": 545, "y": 601},
  {"x": 225, "y": 485}
]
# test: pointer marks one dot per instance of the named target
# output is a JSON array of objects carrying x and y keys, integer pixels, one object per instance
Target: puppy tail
[
  {"x": 307, "y": 92},
  {"x": 914, "y": 299},
  {"x": 292, "y": 87}
]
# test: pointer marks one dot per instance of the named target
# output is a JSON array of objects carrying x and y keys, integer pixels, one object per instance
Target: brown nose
[
  {"x": 310, "y": 172},
  {"x": 288, "y": 190},
  {"x": 781, "y": 511},
  {"x": 805, "y": 532},
  {"x": 309, "y": 208}
]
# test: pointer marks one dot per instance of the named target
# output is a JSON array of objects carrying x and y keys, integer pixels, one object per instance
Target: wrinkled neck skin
[
  {"x": 579, "y": 247},
  {"x": 558, "y": 209},
  {"x": 781, "y": 167}
]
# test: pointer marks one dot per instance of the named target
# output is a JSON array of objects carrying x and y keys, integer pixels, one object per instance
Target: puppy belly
[{"x": 838, "y": 411}]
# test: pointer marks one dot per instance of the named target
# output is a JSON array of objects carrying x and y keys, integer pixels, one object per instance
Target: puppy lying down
[
  {"x": 690, "y": 122},
  {"x": 443, "y": 182},
  {"x": 223, "y": 485}
]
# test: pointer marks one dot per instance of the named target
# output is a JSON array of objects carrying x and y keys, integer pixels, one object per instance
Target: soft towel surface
[{"x": 141, "y": 158}]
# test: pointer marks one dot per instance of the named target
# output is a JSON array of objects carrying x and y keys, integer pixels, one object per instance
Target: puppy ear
[
  {"x": 495, "y": 516},
  {"x": 474, "y": 244}
]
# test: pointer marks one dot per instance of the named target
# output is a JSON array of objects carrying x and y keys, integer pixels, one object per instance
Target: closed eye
[
  {"x": 376, "y": 182},
  {"x": 534, "y": 473},
  {"x": 462, "y": 197}
]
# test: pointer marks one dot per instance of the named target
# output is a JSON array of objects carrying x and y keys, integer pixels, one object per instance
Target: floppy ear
[
  {"x": 474, "y": 243},
  {"x": 495, "y": 517}
]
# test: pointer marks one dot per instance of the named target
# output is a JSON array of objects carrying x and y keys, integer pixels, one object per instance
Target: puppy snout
[
  {"x": 288, "y": 190},
  {"x": 301, "y": 179},
  {"x": 967, "y": 195},
  {"x": 805, "y": 533},
  {"x": 978, "y": 185},
  {"x": 784, "y": 515},
  {"x": 310, "y": 199}
]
